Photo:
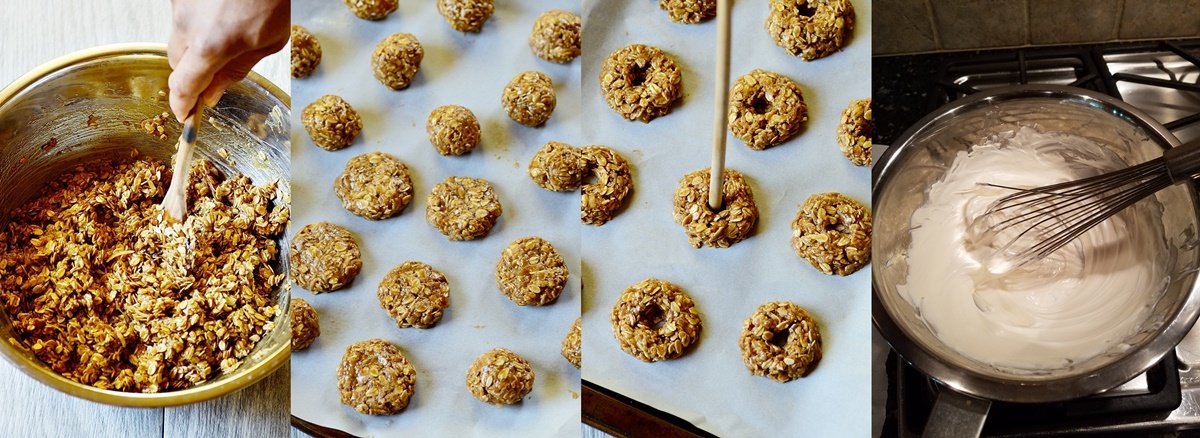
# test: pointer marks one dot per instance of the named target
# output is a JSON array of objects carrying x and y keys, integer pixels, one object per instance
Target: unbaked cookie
[
  {"x": 453, "y": 130},
  {"x": 780, "y": 341},
  {"x": 810, "y": 29},
  {"x": 558, "y": 167},
  {"x": 414, "y": 294},
  {"x": 689, "y": 11},
  {"x": 720, "y": 229},
  {"x": 765, "y": 109},
  {"x": 305, "y": 327},
  {"x": 640, "y": 82},
  {"x": 531, "y": 272},
  {"x": 374, "y": 185},
  {"x": 572, "y": 344},
  {"x": 397, "y": 59},
  {"x": 331, "y": 122},
  {"x": 854, "y": 132},
  {"x": 374, "y": 378},
  {"x": 324, "y": 257},
  {"x": 655, "y": 320},
  {"x": 372, "y": 9},
  {"x": 463, "y": 208},
  {"x": 600, "y": 200},
  {"x": 555, "y": 36},
  {"x": 465, "y": 15},
  {"x": 306, "y": 52},
  {"x": 500, "y": 377},
  {"x": 529, "y": 98},
  {"x": 833, "y": 233}
]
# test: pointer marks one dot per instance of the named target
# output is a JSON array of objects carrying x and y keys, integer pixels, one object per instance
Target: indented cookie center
[
  {"x": 651, "y": 316},
  {"x": 780, "y": 338},
  {"x": 805, "y": 9},
  {"x": 637, "y": 74},
  {"x": 759, "y": 104}
]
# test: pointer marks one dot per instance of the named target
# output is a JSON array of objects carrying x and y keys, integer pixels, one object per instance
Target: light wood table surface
[{"x": 32, "y": 33}]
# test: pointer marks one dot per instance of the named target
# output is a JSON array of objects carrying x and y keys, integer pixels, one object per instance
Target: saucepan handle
[{"x": 956, "y": 415}]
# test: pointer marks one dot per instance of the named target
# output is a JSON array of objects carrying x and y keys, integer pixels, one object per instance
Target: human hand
[{"x": 215, "y": 43}]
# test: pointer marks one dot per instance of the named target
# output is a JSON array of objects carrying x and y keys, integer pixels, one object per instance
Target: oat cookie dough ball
[
  {"x": 305, "y": 327},
  {"x": 306, "y": 52},
  {"x": 500, "y": 377},
  {"x": 854, "y": 132},
  {"x": 558, "y": 167},
  {"x": 689, "y": 11},
  {"x": 780, "y": 341},
  {"x": 463, "y": 208},
  {"x": 465, "y": 15},
  {"x": 331, "y": 122},
  {"x": 372, "y": 9},
  {"x": 572, "y": 344},
  {"x": 453, "y": 130},
  {"x": 531, "y": 272},
  {"x": 810, "y": 29},
  {"x": 640, "y": 82},
  {"x": 833, "y": 233},
  {"x": 765, "y": 109},
  {"x": 374, "y": 185},
  {"x": 414, "y": 294},
  {"x": 529, "y": 98},
  {"x": 717, "y": 229},
  {"x": 600, "y": 200},
  {"x": 655, "y": 303},
  {"x": 374, "y": 378},
  {"x": 396, "y": 60},
  {"x": 555, "y": 36},
  {"x": 324, "y": 257}
]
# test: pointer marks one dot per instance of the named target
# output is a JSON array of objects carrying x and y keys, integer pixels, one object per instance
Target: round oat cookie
[
  {"x": 780, "y": 341},
  {"x": 500, "y": 377},
  {"x": 810, "y": 29},
  {"x": 306, "y": 52},
  {"x": 414, "y": 294},
  {"x": 374, "y": 185},
  {"x": 833, "y": 233},
  {"x": 572, "y": 344},
  {"x": 305, "y": 327},
  {"x": 765, "y": 109},
  {"x": 531, "y": 271},
  {"x": 558, "y": 167},
  {"x": 324, "y": 257},
  {"x": 600, "y": 200},
  {"x": 465, "y": 15},
  {"x": 463, "y": 208},
  {"x": 331, "y": 122},
  {"x": 372, "y": 9},
  {"x": 720, "y": 229},
  {"x": 396, "y": 60},
  {"x": 640, "y": 82},
  {"x": 453, "y": 130},
  {"x": 854, "y": 132},
  {"x": 655, "y": 320},
  {"x": 555, "y": 36},
  {"x": 374, "y": 378},
  {"x": 689, "y": 11},
  {"x": 529, "y": 98}
]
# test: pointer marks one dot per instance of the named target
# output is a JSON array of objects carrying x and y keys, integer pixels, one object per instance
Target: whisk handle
[{"x": 1183, "y": 161}]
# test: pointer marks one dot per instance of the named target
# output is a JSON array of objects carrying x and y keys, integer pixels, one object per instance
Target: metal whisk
[{"x": 1031, "y": 224}]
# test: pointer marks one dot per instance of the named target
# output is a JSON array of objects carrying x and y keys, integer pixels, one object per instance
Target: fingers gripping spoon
[{"x": 175, "y": 202}]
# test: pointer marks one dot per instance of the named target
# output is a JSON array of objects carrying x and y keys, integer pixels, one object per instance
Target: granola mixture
[
  {"x": 689, "y": 11},
  {"x": 500, "y": 377},
  {"x": 655, "y": 320},
  {"x": 531, "y": 272},
  {"x": 854, "y": 132},
  {"x": 555, "y": 36},
  {"x": 573, "y": 343},
  {"x": 718, "y": 229},
  {"x": 414, "y": 294},
  {"x": 324, "y": 257},
  {"x": 374, "y": 378},
  {"x": 331, "y": 122},
  {"x": 640, "y": 82},
  {"x": 612, "y": 181},
  {"x": 396, "y": 60},
  {"x": 810, "y": 29},
  {"x": 305, "y": 326},
  {"x": 765, "y": 109},
  {"x": 529, "y": 98},
  {"x": 463, "y": 208},
  {"x": 157, "y": 126},
  {"x": 372, "y": 9},
  {"x": 453, "y": 130},
  {"x": 465, "y": 15},
  {"x": 306, "y": 52},
  {"x": 833, "y": 233},
  {"x": 374, "y": 185},
  {"x": 780, "y": 341},
  {"x": 558, "y": 167},
  {"x": 107, "y": 292}
]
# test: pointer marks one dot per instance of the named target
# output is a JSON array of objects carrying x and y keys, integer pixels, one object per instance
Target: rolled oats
[
  {"x": 833, "y": 233},
  {"x": 640, "y": 82},
  {"x": 780, "y": 341},
  {"x": 810, "y": 29},
  {"x": 555, "y": 36},
  {"x": 600, "y": 200},
  {"x": 463, "y": 208},
  {"x": 718, "y": 229},
  {"x": 331, "y": 122},
  {"x": 529, "y": 98},
  {"x": 558, "y": 166},
  {"x": 305, "y": 326},
  {"x": 397, "y": 59},
  {"x": 324, "y": 257},
  {"x": 453, "y": 130},
  {"x": 157, "y": 126},
  {"x": 531, "y": 271},
  {"x": 465, "y": 15},
  {"x": 375, "y": 378},
  {"x": 689, "y": 11},
  {"x": 572, "y": 344},
  {"x": 414, "y": 294},
  {"x": 655, "y": 320},
  {"x": 375, "y": 186},
  {"x": 854, "y": 132},
  {"x": 372, "y": 9},
  {"x": 500, "y": 377},
  {"x": 765, "y": 109},
  {"x": 306, "y": 52}
]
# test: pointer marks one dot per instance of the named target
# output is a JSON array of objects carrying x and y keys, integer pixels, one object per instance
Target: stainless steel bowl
[
  {"x": 924, "y": 153},
  {"x": 116, "y": 87}
]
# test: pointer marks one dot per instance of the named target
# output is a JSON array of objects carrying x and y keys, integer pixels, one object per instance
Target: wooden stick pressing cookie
[{"x": 720, "y": 118}]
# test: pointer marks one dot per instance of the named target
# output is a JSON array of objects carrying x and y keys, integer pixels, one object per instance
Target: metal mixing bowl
[
  {"x": 116, "y": 87},
  {"x": 924, "y": 153}
]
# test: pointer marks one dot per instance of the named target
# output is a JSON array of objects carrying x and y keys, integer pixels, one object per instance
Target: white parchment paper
[
  {"x": 709, "y": 386},
  {"x": 468, "y": 70}
]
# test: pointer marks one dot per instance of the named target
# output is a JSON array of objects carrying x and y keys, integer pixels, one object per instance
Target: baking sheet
[
  {"x": 709, "y": 386},
  {"x": 463, "y": 69}
]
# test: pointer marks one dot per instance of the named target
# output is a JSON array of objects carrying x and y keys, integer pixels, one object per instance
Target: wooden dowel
[{"x": 721, "y": 112}]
